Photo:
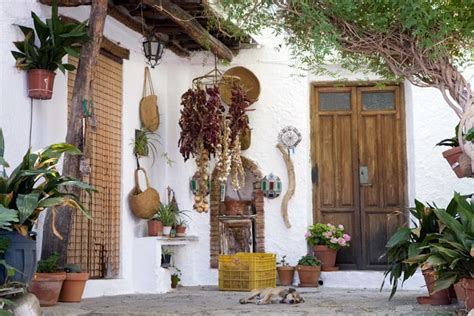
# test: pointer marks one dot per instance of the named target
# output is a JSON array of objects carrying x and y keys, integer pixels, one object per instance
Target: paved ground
[{"x": 208, "y": 301}]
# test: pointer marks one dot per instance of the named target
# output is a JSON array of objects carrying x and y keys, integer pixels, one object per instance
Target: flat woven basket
[{"x": 248, "y": 81}]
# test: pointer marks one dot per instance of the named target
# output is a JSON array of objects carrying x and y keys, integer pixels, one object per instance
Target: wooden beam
[
  {"x": 122, "y": 15},
  {"x": 71, "y": 167},
  {"x": 191, "y": 26}
]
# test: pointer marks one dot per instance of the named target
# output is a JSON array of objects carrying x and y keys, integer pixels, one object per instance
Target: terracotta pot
[
  {"x": 309, "y": 276},
  {"x": 73, "y": 287},
  {"x": 468, "y": 285},
  {"x": 460, "y": 292},
  {"x": 155, "y": 228},
  {"x": 327, "y": 256},
  {"x": 174, "y": 283},
  {"x": 40, "y": 83},
  {"x": 442, "y": 297},
  {"x": 180, "y": 231},
  {"x": 452, "y": 156},
  {"x": 47, "y": 286},
  {"x": 166, "y": 231},
  {"x": 235, "y": 207},
  {"x": 285, "y": 275}
]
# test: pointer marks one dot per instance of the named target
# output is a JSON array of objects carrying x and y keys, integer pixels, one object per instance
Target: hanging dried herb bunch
[{"x": 237, "y": 112}]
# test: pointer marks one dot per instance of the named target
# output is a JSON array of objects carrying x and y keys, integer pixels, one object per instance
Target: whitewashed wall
[{"x": 284, "y": 100}]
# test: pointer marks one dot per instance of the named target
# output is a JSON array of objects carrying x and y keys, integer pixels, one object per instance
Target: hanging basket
[
  {"x": 149, "y": 112},
  {"x": 144, "y": 204},
  {"x": 40, "y": 84}
]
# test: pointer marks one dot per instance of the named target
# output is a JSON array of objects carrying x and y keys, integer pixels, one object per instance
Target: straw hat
[{"x": 248, "y": 81}]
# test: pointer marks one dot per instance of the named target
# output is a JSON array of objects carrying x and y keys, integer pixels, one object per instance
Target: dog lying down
[{"x": 273, "y": 295}]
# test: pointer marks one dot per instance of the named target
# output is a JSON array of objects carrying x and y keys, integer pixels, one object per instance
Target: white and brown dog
[{"x": 273, "y": 295}]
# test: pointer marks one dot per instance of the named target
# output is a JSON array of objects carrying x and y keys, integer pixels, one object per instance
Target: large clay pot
[
  {"x": 452, "y": 156},
  {"x": 235, "y": 207},
  {"x": 460, "y": 292},
  {"x": 21, "y": 255},
  {"x": 285, "y": 275},
  {"x": 47, "y": 287},
  {"x": 40, "y": 83},
  {"x": 442, "y": 297},
  {"x": 468, "y": 285},
  {"x": 155, "y": 228},
  {"x": 73, "y": 287},
  {"x": 308, "y": 275},
  {"x": 327, "y": 256}
]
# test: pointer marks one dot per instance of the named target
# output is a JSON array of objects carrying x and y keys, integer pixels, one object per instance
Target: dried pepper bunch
[{"x": 212, "y": 120}]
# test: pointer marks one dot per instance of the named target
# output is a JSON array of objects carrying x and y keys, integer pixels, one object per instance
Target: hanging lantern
[
  {"x": 271, "y": 186},
  {"x": 153, "y": 50}
]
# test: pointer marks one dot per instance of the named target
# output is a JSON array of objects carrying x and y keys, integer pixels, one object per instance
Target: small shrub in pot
[
  {"x": 48, "y": 281},
  {"x": 74, "y": 284},
  {"x": 309, "y": 269},
  {"x": 286, "y": 272}
]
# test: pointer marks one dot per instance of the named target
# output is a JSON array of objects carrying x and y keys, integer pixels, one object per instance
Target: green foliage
[
  {"x": 49, "y": 265},
  {"x": 283, "y": 262},
  {"x": 309, "y": 260},
  {"x": 329, "y": 235},
  {"x": 56, "y": 39},
  {"x": 167, "y": 214},
  {"x": 144, "y": 144},
  {"x": 314, "y": 29},
  {"x": 470, "y": 135},
  {"x": 72, "y": 268},
  {"x": 176, "y": 275},
  {"x": 35, "y": 184},
  {"x": 451, "y": 142}
]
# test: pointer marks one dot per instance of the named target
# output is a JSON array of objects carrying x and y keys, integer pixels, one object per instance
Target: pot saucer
[
  {"x": 432, "y": 301},
  {"x": 307, "y": 285}
]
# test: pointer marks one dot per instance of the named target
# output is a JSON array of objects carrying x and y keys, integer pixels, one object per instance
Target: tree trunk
[{"x": 82, "y": 90}]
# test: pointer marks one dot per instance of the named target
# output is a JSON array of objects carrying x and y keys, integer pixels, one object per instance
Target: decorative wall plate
[
  {"x": 289, "y": 137},
  {"x": 271, "y": 186}
]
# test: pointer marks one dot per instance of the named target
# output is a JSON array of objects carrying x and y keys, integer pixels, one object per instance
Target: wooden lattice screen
[{"x": 95, "y": 245}]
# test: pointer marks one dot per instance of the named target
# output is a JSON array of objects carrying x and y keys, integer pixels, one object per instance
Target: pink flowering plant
[{"x": 328, "y": 235}]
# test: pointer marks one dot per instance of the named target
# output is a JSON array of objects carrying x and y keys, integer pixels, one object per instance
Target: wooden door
[{"x": 359, "y": 167}]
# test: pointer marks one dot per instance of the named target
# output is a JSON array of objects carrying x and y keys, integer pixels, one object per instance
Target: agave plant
[
  {"x": 35, "y": 185},
  {"x": 451, "y": 254},
  {"x": 409, "y": 242},
  {"x": 56, "y": 38}
]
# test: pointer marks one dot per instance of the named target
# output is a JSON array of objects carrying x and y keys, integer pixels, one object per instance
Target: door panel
[{"x": 357, "y": 147}]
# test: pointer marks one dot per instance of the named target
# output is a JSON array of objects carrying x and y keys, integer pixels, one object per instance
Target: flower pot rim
[
  {"x": 286, "y": 267},
  {"x": 314, "y": 268},
  {"x": 77, "y": 276},
  {"x": 47, "y": 277},
  {"x": 452, "y": 151}
]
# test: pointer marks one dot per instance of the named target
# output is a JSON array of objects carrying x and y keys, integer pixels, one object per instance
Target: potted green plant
[
  {"x": 410, "y": 242},
  {"x": 452, "y": 155},
  {"x": 309, "y": 269},
  {"x": 286, "y": 272},
  {"x": 181, "y": 225},
  {"x": 167, "y": 217},
  {"x": 166, "y": 255},
  {"x": 74, "y": 284},
  {"x": 32, "y": 187},
  {"x": 48, "y": 281},
  {"x": 175, "y": 277},
  {"x": 155, "y": 226},
  {"x": 42, "y": 50},
  {"x": 326, "y": 240},
  {"x": 452, "y": 250}
]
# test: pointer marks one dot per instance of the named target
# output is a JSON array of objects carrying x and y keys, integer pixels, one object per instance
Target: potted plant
[
  {"x": 181, "y": 225},
  {"x": 285, "y": 272},
  {"x": 32, "y": 187},
  {"x": 309, "y": 269},
  {"x": 452, "y": 155},
  {"x": 166, "y": 255},
  {"x": 412, "y": 242},
  {"x": 155, "y": 226},
  {"x": 74, "y": 284},
  {"x": 175, "y": 278},
  {"x": 451, "y": 251},
  {"x": 42, "y": 50},
  {"x": 326, "y": 240},
  {"x": 167, "y": 217},
  {"x": 48, "y": 281}
]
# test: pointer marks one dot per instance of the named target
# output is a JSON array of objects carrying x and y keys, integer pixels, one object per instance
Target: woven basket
[
  {"x": 144, "y": 204},
  {"x": 248, "y": 81},
  {"x": 149, "y": 113}
]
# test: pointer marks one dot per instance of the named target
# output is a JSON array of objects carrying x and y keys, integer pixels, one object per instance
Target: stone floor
[{"x": 209, "y": 301}]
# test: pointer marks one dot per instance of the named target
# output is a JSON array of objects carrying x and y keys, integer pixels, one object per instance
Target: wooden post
[{"x": 84, "y": 76}]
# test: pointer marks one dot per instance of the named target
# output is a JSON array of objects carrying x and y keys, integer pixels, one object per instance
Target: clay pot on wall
[
  {"x": 167, "y": 231},
  {"x": 452, "y": 156},
  {"x": 181, "y": 231},
  {"x": 47, "y": 287},
  {"x": 40, "y": 84},
  {"x": 73, "y": 287},
  {"x": 286, "y": 275},
  {"x": 308, "y": 275},
  {"x": 327, "y": 256},
  {"x": 155, "y": 228},
  {"x": 442, "y": 297}
]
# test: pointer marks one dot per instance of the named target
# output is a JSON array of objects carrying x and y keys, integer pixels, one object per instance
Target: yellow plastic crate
[{"x": 247, "y": 271}]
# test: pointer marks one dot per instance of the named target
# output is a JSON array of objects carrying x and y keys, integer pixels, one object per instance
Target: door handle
[{"x": 364, "y": 176}]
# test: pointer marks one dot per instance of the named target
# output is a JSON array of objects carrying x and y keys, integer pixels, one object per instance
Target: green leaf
[
  {"x": 2, "y": 144},
  {"x": 69, "y": 67},
  {"x": 7, "y": 217},
  {"x": 402, "y": 235},
  {"x": 444, "y": 281},
  {"x": 73, "y": 52},
  {"x": 50, "y": 202},
  {"x": 26, "y": 203},
  {"x": 435, "y": 260},
  {"x": 40, "y": 27}
]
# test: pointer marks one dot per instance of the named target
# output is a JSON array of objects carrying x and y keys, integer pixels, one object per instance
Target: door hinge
[{"x": 315, "y": 175}]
